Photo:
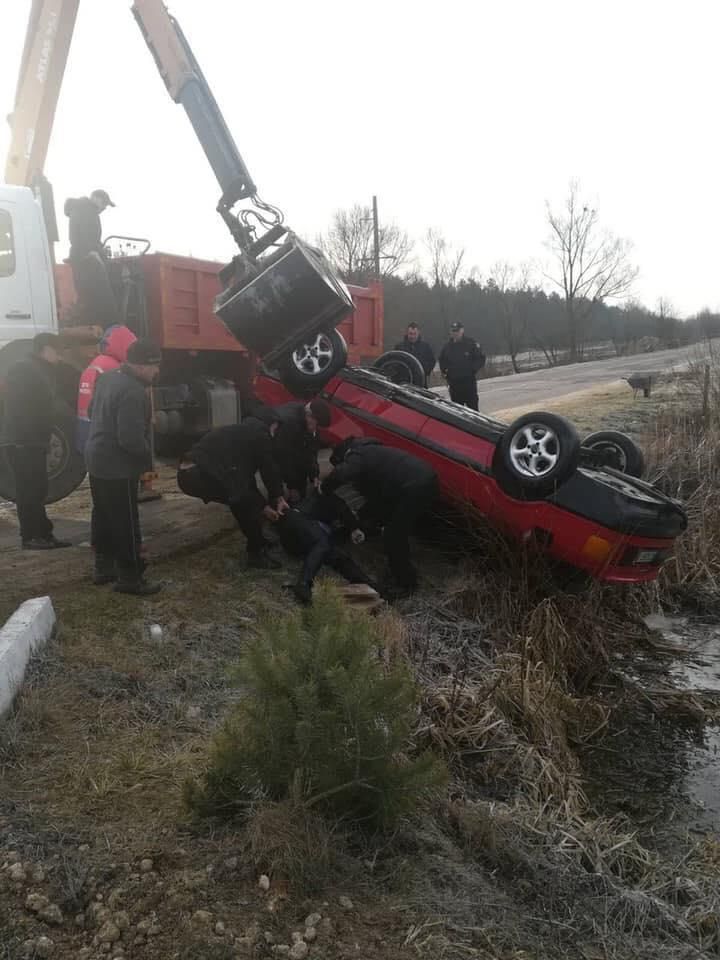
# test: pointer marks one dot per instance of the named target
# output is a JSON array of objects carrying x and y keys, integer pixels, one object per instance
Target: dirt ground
[
  {"x": 97, "y": 855},
  {"x": 171, "y": 525}
]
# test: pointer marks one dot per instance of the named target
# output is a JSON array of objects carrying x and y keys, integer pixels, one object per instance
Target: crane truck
[{"x": 277, "y": 302}]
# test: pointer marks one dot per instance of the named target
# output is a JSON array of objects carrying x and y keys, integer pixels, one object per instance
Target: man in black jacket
[
  {"x": 117, "y": 453},
  {"x": 221, "y": 468},
  {"x": 398, "y": 488},
  {"x": 296, "y": 444},
  {"x": 413, "y": 343},
  {"x": 30, "y": 390},
  {"x": 87, "y": 258},
  {"x": 312, "y": 530},
  {"x": 461, "y": 359}
]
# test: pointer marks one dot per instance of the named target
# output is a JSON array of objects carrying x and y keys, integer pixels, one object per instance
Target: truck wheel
[
  {"x": 309, "y": 367},
  {"x": 537, "y": 453},
  {"x": 616, "y": 450},
  {"x": 65, "y": 466},
  {"x": 401, "y": 367}
]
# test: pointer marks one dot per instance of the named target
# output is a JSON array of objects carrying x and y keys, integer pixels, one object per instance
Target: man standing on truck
[
  {"x": 30, "y": 391},
  {"x": 398, "y": 489},
  {"x": 296, "y": 444},
  {"x": 221, "y": 468},
  {"x": 87, "y": 258},
  {"x": 413, "y": 343},
  {"x": 117, "y": 453},
  {"x": 461, "y": 359}
]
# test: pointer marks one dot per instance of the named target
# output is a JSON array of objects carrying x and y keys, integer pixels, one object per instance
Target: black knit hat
[
  {"x": 266, "y": 415},
  {"x": 143, "y": 353}
]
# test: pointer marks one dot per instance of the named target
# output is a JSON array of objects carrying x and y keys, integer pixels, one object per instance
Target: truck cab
[{"x": 27, "y": 290}]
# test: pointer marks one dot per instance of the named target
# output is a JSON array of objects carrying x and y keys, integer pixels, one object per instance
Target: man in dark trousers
[
  {"x": 117, "y": 453},
  {"x": 296, "y": 444},
  {"x": 398, "y": 488},
  {"x": 87, "y": 258},
  {"x": 461, "y": 359},
  {"x": 312, "y": 530},
  {"x": 221, "y": 468},
  {"x": 30, "y": 390},
  {"x": 413, "y": 343}
]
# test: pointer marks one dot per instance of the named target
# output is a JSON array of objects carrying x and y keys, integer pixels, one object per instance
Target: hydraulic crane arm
[
  {"x": 187, "y": 86},
  {"x": 47, "y": 43}
]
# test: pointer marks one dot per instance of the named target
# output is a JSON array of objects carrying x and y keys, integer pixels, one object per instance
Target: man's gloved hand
[{"x": 357, "y": 536}]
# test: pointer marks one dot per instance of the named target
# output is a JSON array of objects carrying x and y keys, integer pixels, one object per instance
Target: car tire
[
  {"x": 309, "y": 367},
  {"x": 616, "y": 450},
  {"x": 535, "y": 455},
  {"x": 401, "y": 367},
  {"x": 66, "y": 467}
]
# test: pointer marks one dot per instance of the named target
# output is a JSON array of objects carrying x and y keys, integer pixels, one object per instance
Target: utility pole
[{"x": 376, "y": 238}]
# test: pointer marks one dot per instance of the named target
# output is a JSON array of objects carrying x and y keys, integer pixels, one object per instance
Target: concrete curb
[{"x": 28, "y": 628}]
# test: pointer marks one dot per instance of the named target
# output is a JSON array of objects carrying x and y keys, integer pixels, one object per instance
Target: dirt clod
[
  {"x": 17, "y": 873},
  {"x": 36, "y": 902},
  {"x": 201, "y": 917},
  {"x": 44, "y": 947},
  {"x": 108, "y": 933},
  {"x": 51, "y": 914}
]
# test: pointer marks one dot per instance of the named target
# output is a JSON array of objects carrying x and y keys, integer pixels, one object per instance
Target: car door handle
[{"x": 16, "y": 315}]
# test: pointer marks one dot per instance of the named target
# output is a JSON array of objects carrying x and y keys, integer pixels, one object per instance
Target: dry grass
[
  {"x": 516, "y": 677},
  {"x": 682, "y": 447}
]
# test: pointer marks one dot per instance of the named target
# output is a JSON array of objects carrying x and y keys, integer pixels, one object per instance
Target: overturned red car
[{"x": 583, "y": 503}]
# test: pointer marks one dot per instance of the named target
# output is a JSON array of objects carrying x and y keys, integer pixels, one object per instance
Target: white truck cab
[{"x": 27, "y": 286}]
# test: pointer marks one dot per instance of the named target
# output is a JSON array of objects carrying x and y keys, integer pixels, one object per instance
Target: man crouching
[{"x": 221, "y": 468}]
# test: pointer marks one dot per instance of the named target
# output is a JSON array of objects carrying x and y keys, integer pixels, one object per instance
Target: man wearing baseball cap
[
  {"x": 117, "y": 453},
  {"x": 87, "y": 258},
  {"x": 461, "y": 359}
]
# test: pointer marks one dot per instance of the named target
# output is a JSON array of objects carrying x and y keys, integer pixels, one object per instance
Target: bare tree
[
  {"x": 349, "y": 245},
  {"x": 512, "y": 291},
  {"x": 666, "y": 321},
  {"x": 445, "y": 263},
  {"x": 445, "y": 270},
  {"x": 592, "y": 265}
]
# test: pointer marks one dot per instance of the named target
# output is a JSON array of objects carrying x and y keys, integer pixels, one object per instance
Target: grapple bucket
[{"x": 274, "y": 304}]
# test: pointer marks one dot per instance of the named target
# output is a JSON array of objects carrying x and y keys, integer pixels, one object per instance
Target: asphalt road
[{"x": 503, "y": 393}]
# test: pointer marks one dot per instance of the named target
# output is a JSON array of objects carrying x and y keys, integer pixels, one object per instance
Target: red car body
[{"x": 616, "y": 528}]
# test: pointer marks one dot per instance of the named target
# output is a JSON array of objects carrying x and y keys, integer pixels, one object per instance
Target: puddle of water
[{"x": 697, "y": 668}]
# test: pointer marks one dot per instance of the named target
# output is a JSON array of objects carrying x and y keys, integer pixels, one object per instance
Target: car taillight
[{"x": 645, "y": 556}]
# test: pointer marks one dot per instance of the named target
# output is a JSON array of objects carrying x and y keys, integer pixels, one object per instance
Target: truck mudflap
[{"x": 275, "y": 304}]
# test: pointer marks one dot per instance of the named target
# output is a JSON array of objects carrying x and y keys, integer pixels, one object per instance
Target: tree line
[{"x": 580, "y": 297}]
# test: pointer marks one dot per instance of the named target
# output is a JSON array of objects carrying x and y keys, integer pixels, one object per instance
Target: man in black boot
[
  {"x": 221, "y": 468},
  {"x": 312, "y": 531},
  {"x": 461, "y": 359},
  {"x": 296, "y": 444},
  {"x": 117, "y": 453},
  {"x": 30, "y": 390},
  {"x": 398, "y": 488}
]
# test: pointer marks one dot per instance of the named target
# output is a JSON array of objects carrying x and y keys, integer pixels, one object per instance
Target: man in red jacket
[{"x": 113, "y": 353}]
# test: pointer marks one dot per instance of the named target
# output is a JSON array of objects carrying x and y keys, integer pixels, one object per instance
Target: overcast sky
[{"x": 466, "y": 116}]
